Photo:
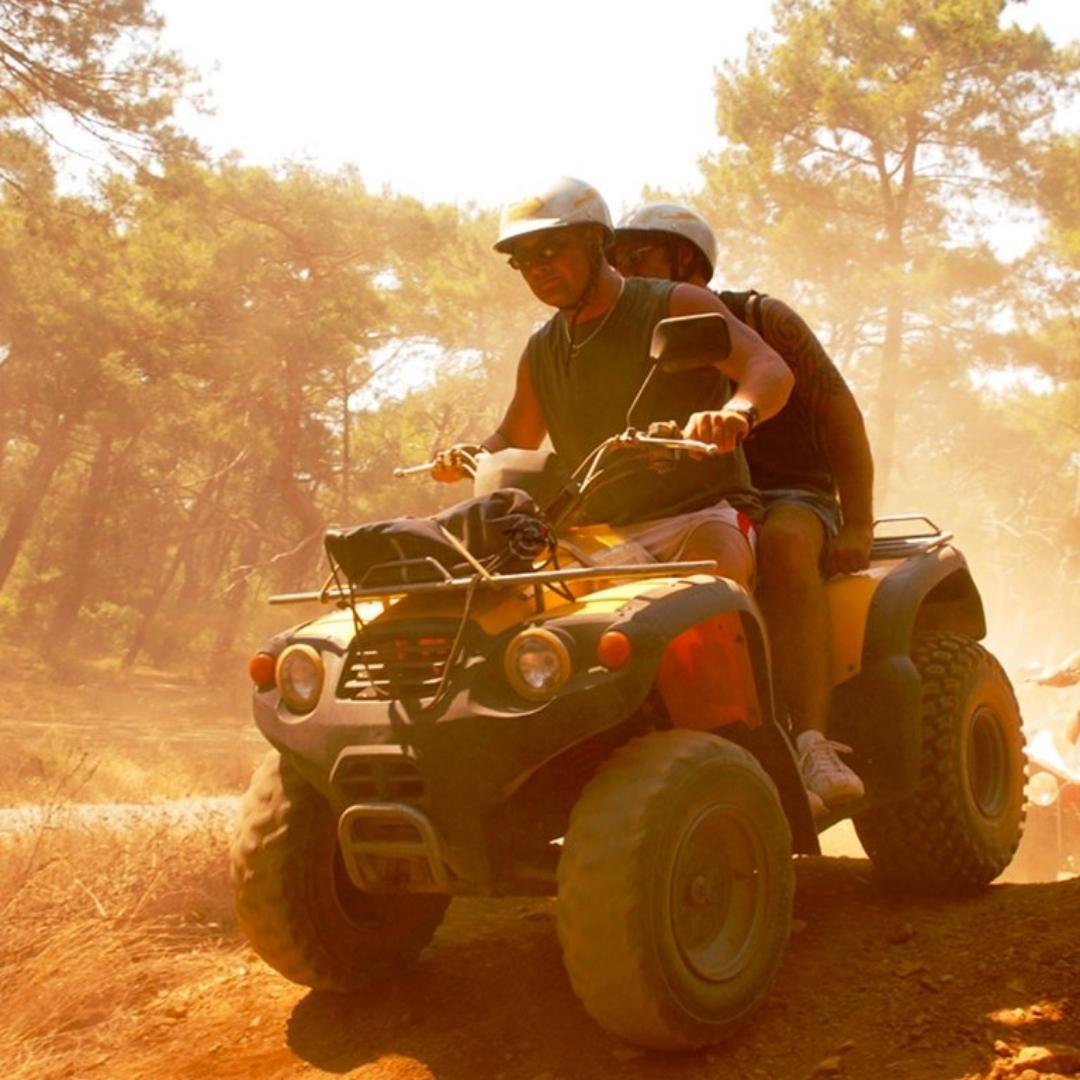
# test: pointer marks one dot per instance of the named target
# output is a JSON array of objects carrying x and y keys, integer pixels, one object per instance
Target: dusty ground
[{"x": 873, "y": 985}]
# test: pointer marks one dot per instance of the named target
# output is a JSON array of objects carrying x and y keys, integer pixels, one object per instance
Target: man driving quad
[
  {"x": 813, "y": 468},
  {"x": 580, "y": 371}
]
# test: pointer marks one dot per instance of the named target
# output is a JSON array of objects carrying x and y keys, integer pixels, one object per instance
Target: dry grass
[
  {"x": 101, "y": 928},
  {"x": 105, "y": 932},
  {"x": 93, "y": 735},
  {"x": 37, "y": 769}
]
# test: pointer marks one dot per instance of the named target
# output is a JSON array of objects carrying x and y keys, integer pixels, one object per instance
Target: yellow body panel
[{"x": 849, "y": 599}]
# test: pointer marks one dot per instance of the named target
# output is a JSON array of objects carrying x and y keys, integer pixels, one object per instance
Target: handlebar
[
  {"x": 464, "y": 457},
  {"x": 692, "y": 446},
  {"x": 414, "y": 470}
]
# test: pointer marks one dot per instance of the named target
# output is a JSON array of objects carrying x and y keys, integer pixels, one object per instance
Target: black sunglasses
[
  {"x": 631, "y": 256},
  {"x": 537, "y": 256}
]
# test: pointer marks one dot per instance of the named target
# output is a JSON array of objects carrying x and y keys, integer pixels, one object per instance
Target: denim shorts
[{"x": 825, "y": 507}]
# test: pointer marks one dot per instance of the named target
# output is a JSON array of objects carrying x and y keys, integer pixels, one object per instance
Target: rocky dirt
[{"x": 873, "y": 985}]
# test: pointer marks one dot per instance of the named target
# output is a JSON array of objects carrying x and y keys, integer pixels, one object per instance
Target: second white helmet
[{"x": 672, "y": 219}]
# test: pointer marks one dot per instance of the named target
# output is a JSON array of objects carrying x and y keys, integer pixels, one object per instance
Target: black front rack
[
  {"x": 917, "y": 541},
  {"x": 446, "y": 582}
]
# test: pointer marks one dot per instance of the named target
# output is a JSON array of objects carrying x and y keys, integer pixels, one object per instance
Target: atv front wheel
[
  {"x": 960, "y": 827},
  {"x": 675, "y": 890},
  {"x": 295, "y": 901}
]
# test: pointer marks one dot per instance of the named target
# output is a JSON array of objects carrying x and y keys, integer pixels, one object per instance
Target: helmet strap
[
  {"x": 596, "y": 264},
  {"x": 680, "y": 270}
]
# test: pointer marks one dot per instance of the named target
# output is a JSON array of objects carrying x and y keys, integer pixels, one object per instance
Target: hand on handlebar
[
  {"x": 662, "y": 459},
  {"x": 455, "y": 463},
  {"x": 721, "y": 428}
]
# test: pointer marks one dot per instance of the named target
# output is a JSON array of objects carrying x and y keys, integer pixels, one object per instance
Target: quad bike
[
  {"x": 602, "y": 729},
  {"x": 1051, "y": 844}
]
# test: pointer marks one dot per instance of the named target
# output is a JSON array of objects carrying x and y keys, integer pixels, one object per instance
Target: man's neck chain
[{"x": 577, "y": 346}]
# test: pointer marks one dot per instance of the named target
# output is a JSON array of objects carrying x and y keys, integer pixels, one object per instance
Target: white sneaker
[{"x": 823, "y": 773}]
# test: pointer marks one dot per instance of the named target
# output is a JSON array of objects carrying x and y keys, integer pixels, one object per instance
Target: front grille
[
  {"x": 378, "y": 778},
  {"x": 395, "y": 666}
]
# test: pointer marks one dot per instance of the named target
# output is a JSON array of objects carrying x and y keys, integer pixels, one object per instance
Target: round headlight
[
  {"x": 537, "y": 664},
  {"x": 1043, "y": 789},
  {"x": 300, "y": 677}
]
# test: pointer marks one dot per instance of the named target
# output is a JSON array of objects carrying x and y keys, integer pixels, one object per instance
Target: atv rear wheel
[
  {"x": 675, "y": 890},
  {"x": 295, "y": 901},
  {"x": 960, "y": 827}
]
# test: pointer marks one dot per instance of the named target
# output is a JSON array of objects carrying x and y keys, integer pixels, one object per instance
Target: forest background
[{"x": 204, "y": 363}]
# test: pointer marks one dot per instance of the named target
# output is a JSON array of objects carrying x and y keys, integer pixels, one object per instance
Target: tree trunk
[
  {"x": 150, "y": 610},
  {"x": 346, "y": 448},
  {"x": 80, "y": 561},
  {"x": 52, "y": 450},
  {"x": 232, "y": 606},
  {"x": 884, "y": 427},
  {"x": 895, "y": 205},
  {"x": 297, "y": 562}
]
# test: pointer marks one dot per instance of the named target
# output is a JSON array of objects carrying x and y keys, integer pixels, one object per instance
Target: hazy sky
[{"x": 475, "y": 100}]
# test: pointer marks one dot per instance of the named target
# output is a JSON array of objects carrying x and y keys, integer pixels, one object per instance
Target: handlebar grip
[
  {"x": 413, "y": 470},
  {"x": 707, "y": 448}
]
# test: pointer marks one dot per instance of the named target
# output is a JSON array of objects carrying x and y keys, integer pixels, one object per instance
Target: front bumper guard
[{"x": 392, "y": 847}]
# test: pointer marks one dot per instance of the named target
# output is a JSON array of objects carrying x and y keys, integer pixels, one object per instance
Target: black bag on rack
[{"x": 503, "y": 530}]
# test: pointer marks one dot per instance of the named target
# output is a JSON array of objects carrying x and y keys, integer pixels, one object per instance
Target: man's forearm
[
  {"x": 762, "y": 377},
  {"x": 766, "y": 384},
  {"x": 495, "y": 441}
]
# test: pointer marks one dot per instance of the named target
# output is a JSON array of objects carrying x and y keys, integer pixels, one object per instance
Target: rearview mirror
[{"x": 686, "y": 342}]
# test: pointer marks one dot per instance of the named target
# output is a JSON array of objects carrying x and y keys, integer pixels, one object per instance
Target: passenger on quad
[
  {"x": 579, "y": 374},
  {"x": 1067, "y": 673},
  {"x": 813, "y": 468},
  {"x": 468, "y": 717}
]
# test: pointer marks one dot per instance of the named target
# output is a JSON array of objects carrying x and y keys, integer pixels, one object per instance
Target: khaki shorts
[{"x": 718, "y": 532}]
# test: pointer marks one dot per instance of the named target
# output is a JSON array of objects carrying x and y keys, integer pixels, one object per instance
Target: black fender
[
  {"x": 656, "y": 617},
  {"x": 653, "y": 618},
  {"x": 879, "y": 712},
  {"x": 932, "y": 591},
  {"x": 485, "y": 751}
]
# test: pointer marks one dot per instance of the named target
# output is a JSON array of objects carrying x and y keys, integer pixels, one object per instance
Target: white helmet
[
  {"x": 672, "y": 219},
  {"x": 565, "y": 202}
]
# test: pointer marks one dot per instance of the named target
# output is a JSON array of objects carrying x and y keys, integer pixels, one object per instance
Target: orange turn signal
[
  {"x": 613, "y": 649},
  {"x": 261, "y": 669}
]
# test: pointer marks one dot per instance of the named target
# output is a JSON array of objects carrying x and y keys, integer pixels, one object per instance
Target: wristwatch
[{"x": 744, "y": 409}]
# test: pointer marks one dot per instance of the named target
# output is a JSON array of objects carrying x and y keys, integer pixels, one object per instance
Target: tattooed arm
[{"x": 821, "y": 389}]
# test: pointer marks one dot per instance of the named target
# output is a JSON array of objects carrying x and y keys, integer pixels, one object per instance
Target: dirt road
[{"x": 872, "y": 986}]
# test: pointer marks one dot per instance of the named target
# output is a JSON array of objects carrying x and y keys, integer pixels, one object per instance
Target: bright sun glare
[{"x": 471, "y": 102}]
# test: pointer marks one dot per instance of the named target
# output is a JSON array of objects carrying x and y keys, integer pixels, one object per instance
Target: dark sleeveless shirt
[
  {"x": 584, "y": 399},
  {"x": 787, "y": 451}
]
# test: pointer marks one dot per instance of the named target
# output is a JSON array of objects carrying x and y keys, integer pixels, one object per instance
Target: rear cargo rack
[{"x": 902, "y": 544}]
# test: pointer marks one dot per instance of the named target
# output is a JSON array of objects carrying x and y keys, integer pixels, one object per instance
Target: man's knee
[
  {"x": 790, "y": 543},
  {"x": 727, "y": 546}
]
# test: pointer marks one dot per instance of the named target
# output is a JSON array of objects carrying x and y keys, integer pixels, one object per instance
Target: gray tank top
[{"x": 584, "y": 399}]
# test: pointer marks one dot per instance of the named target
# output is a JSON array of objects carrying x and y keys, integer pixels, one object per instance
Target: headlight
[
  {"x": 1043, "y": 789},
  {"x": 537, "y": 664},
  {"x": 300, "y": 677}
]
